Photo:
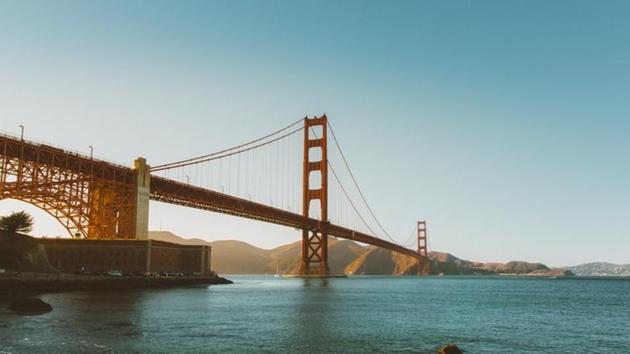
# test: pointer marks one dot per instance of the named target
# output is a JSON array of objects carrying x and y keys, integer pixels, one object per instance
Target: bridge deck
[{"x": 174, "y": 192}]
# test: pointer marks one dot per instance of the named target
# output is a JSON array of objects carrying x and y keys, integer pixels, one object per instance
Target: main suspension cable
[
  {"x": 214, "y": 156},
  {"x": 332, "y": 169},
  {"x": 178, "y": 163},
  {"x": 411, "y": 240},
  {"x": 356, "y": 184},
  {"x": 350, "y": 200}
]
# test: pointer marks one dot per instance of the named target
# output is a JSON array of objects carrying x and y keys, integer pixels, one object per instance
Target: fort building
[{"x": 129, "y": 256}]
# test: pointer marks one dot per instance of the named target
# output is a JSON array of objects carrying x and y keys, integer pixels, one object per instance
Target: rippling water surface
[{"x": 361, "y": 314}]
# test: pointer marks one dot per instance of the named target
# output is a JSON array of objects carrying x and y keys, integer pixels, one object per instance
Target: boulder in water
[
  {"x": 30, "y": 306},
  {"x": 450, "y": 349}
]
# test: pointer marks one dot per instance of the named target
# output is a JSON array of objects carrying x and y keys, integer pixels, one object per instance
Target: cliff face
[
  {"x": 374, "y": 262},
  {"x": 346, "y": 257},
  {"x": 23, "y": 254},
  {"x": 378, "y": 261}
]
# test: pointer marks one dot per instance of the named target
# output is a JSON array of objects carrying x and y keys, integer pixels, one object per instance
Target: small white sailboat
[{"x": 277, "y": 275}]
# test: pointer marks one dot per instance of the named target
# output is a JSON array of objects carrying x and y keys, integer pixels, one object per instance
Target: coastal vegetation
[
  {"x": 18, "y": 222},
  {"x": 19, "y": 252}
]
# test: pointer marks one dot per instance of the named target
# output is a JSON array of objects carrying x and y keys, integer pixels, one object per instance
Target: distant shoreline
[{"x": 489, "y": 275}]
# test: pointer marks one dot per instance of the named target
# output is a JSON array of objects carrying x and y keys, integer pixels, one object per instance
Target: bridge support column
[
  {"x": 423, "y": 261},
  {"x": 142, "y": 189},
  {"x": 315, "y": 242},
  {"x": 314, "y": 253}
]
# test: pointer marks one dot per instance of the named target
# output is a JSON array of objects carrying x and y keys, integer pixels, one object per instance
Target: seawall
[{"x": 51, "y": 284}]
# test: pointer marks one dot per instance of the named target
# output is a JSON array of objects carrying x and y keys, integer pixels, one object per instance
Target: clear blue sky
[{"x": 505, "y": 124}]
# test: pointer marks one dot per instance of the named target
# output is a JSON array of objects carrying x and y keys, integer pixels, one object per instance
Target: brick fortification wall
[{"x": 130, "y": 256}]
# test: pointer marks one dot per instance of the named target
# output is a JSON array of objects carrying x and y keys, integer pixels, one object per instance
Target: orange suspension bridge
[{"x": 281, "y": 178}]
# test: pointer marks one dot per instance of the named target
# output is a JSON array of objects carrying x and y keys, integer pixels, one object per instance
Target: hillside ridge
[{"x": 346, "y": 257}]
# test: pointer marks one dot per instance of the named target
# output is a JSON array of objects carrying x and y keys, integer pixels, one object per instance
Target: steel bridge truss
[{"x": 90, "y": 198}]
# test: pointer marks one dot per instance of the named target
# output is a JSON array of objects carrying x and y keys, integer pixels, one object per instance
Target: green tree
[{"x": 17, "y": 222}]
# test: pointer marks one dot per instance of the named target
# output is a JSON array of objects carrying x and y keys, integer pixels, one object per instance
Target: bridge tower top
[{"x": 314, "y": 142}]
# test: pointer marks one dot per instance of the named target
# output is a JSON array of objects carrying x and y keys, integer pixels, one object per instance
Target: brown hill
[
  {"x": 446, "y": 263},
  {"x": 340, "y": 253},
  {"x": 285, "y": 259},
  {"x": 345, "y": 256},
  {"x": 382, "y": 262},
  {"x": 168, "y": 236},
  {"x": 228, "y": 256},
  {"x": 378, "y": 261},
  {"x": 514, "y": 267},
  {"x": 236, "y": 257}
]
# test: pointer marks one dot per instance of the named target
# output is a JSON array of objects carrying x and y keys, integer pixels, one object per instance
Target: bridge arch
[
  {"x": 90, "y": 198},
  {"x": 66, "y": 219},
  {"x": 43, "y": 217}
]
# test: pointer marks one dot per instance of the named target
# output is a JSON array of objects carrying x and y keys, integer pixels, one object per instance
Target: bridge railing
[{"x": 76, "y": 153}]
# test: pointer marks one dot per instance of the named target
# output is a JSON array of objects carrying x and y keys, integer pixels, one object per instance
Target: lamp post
[
  {"x": 91, "y": 151},
  {"x": 22, "y": 132},
  {"x": 187, "y": 179}
]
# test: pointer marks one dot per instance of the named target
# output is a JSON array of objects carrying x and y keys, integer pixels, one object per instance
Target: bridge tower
[
  {"x": 315, "y": 241},
  {"x": 423, "y": 261}
]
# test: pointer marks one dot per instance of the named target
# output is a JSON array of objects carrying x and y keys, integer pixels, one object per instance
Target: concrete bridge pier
[{"x": 142, "y": 191}]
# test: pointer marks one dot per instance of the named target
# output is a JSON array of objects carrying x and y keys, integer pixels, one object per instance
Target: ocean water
[{"x": 355, "y": 315}]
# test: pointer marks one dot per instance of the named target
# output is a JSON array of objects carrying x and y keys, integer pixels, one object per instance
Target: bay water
[{"x": 260, "y": 314}]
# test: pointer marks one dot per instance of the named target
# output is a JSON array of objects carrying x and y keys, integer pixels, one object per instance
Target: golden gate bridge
[{"x": 281, "y": 178}]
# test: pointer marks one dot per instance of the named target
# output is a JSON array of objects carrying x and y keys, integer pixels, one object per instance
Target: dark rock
[
  {"x": 450, "y": 349},
  {"x": 30, "y": 306}
]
